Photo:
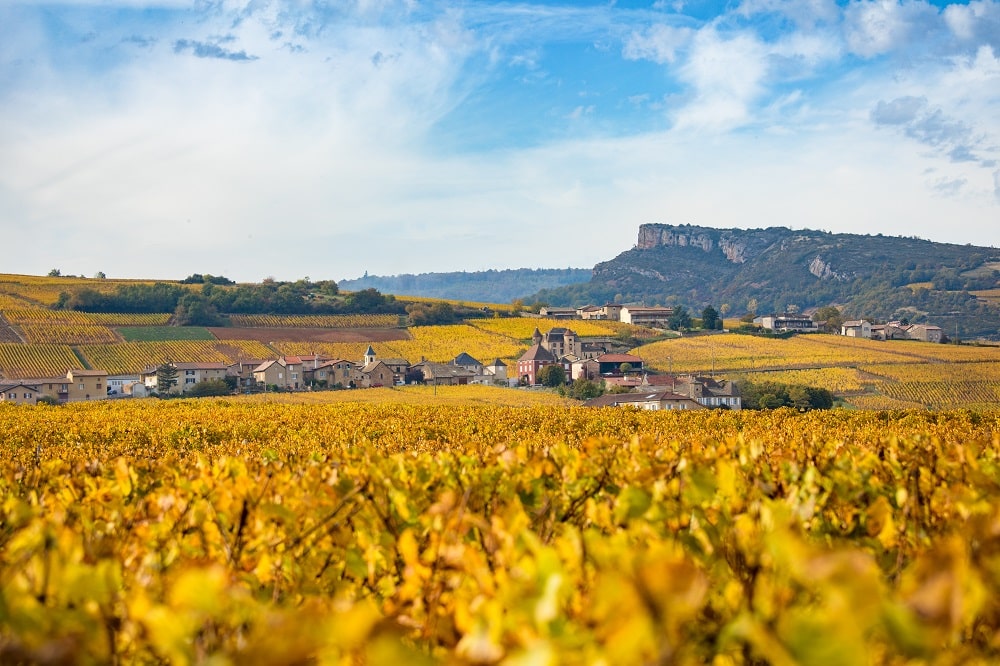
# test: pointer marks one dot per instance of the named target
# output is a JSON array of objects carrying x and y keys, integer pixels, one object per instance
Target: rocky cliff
[{"x": 777, "y": 267}]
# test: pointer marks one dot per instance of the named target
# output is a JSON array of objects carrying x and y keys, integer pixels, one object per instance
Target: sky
[{"x": 326, "y": 139}]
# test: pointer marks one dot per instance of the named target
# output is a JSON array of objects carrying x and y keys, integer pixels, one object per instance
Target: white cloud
[
  {"x": 875, "y": 27},
  {"x": 805, "y": 13},
  {"x": 659, "y": 43},
  {"x": 292, "y": 163},
  {"x": 726, "y": 73},
  {"x": 977, "y": 22}
]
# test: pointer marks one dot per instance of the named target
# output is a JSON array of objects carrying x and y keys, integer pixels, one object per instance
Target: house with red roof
[{"x": 533, "y": 360}]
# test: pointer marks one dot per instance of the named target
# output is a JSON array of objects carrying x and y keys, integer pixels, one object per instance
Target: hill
[
  {"x": 490, "y": 286},
  {"x": 768, "y": 270}
]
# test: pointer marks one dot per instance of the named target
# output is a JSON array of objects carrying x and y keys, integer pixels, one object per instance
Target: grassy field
[{"x": 164, "y": 333}]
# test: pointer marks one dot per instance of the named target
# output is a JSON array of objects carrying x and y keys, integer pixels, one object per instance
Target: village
[
  {"x": 623, "y": 378},
  {"x": 623, "y": 375}
]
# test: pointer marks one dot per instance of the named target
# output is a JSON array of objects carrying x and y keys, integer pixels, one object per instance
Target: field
[
  {"x": 868, "y": 374},
  {"x": 164, "y": 333},
  {"x": 37, "y": 341},
  {"x": 256, "y": 532},
  {"x": 279, "y": 334},
  {"x": 355, "y": 321},
  {"x": 20, "y": 361},
  {"x": 521, "y": 328}
]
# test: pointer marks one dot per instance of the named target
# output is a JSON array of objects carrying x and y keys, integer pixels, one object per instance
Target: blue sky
[{"x": 254, "y": 138}]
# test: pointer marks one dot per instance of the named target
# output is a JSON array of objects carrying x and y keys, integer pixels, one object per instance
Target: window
[
  {"x": 189, "y": 380},
  {"x": 189, "y": 373},
  {"x": 82, "y": 387}
]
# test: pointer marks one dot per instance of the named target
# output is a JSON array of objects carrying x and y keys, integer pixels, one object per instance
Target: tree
[
  {"x": 709, "y": 318},
  {"x": 770, "y": 401},
  {"x": 211, "y": 387},
  {"x": 799, "y": 397},
  {"x": 551, "y": 375},
  {"x": 584, "y": 389},
  {"x": 680, "y": 319},
  {"x": 99, "y": 275},
  {"x": 819, "y": 398},
  {"x": 625, "y": 368},
  {"x": 166, "y": 377},
  {"x": 422, "y": 314},
  {"x": 832, "y": 316},
  {"x": 55, "y": 272},
  {"x": 195, "y": 310}
]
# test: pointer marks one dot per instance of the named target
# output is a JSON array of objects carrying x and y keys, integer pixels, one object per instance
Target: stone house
[
  {"x": 377, "y": 374},
  {"x": 334, "y": 372},
  {"x": 188, "y": 374},
  {"x": 19, "y": 393},
  {"x": 856, "y": 328}
]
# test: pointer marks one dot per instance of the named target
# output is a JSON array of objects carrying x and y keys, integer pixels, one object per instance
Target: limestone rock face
[
  {"x": 738, "y": 246},
  {"x": 824, "y": 271},
  {"x": 653, "y": 235}
]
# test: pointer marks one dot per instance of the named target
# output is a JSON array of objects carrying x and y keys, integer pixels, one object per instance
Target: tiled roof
[
  {"x": 438, "y": 370},
  {"x": 19, "y": 383},
  {"x": 538, "y": 353},
  {"x": 618, "y": 358},
  {"x": 465, "y": 359},
  {"x": 267, "y": 364}
]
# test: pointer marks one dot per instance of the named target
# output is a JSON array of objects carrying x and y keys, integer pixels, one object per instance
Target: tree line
[{"x": 204, "y": 307}]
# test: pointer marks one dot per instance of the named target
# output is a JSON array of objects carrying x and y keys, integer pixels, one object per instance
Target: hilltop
[
  {"x": 768, "y": 270},
  {"x": 492, "y": 286}
]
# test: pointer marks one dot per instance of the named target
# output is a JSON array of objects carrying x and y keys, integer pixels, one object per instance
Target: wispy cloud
[
  {"x": 444, "y": 129},
  {"x": 210, "y": 50}
]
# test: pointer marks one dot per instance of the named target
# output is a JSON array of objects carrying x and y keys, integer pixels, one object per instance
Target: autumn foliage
[{"x": 220, "y": 531}]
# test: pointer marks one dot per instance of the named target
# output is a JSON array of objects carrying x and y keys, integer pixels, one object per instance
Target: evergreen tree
[
  {"x": 709, "y": 318},
  {"x": 166, "y": 377}
]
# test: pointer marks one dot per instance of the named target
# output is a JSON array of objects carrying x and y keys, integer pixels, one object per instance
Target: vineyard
[
  {"x": 837, "y": 380},
  {"x": 733, "y": 352},
  {"x": 261, "y": 533},
  {"x": 520, "y": 328},
  {"x": 133, "y": 357},
  {"x": 66, "y": 334},
  {"x": 74, "y": 318},
  {"x": 439, "y": 343},
  {"x": 987, "y": 294},
  {"x": 316, "y": 321},
  {"x": 20, "y": 361},
  {"x": 45, "y": 291}
]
